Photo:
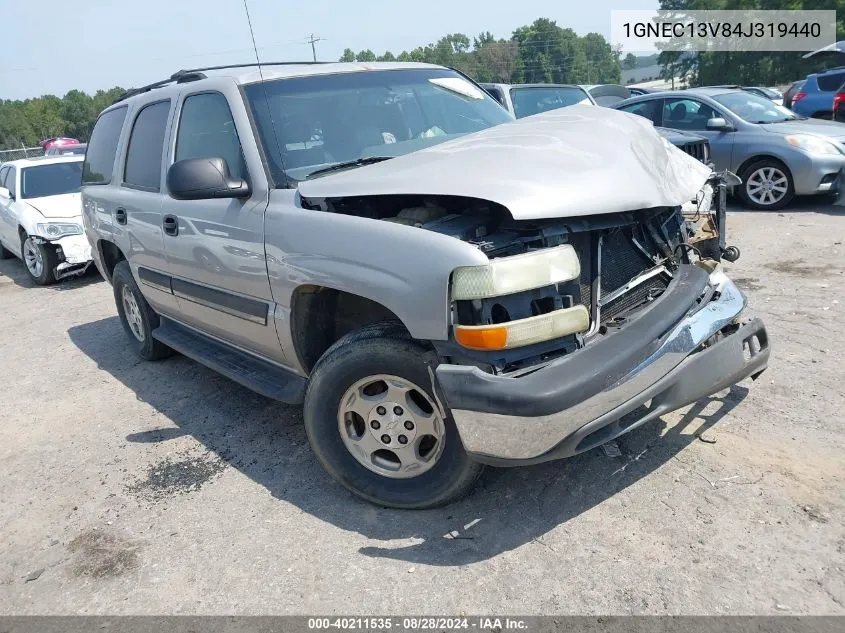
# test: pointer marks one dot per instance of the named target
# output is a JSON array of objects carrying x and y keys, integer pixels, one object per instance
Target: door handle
[
  {"x": 171, "y": 225},
  {"x": 120, "y": 215}
]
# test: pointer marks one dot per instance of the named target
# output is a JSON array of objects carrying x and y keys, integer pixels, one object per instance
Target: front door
[
  {"x": 691, "y": 115},
  {"x": 215, "y": 248}
]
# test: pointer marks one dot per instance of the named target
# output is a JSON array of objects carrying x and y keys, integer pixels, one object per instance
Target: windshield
[
  {"x": 754, "y": 109},
  {"x": 323, "y": 120},
  {"x": 51, "y": 180},
  {"x": 528, "y": 101}
]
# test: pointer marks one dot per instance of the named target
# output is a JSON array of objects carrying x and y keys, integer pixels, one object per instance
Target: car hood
[
  {"x": 575, "y": 161},
  {"x": 819, "y": 127},
  {"x": 67, "y": 205}
]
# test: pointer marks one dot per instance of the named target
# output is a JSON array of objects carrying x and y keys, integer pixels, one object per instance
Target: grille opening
[
  {"x": 542, "y": 306},
  {"x": 499, "y": 314}
]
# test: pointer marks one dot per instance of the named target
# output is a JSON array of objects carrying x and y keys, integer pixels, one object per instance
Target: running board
[{"x": 253, "y": 373}]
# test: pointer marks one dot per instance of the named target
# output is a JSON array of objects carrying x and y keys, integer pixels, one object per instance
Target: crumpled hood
[
  {"x": 67, "y": 205},
  {"x": 575, "y": 161}
]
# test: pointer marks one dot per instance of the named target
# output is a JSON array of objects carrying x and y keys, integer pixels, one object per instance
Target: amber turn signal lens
[{"x": 482, "y": 338}]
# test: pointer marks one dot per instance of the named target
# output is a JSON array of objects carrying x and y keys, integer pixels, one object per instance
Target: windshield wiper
[{"x": 348, "y": 164}]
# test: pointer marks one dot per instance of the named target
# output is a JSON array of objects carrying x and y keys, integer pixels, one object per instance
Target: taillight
[
  {"x": 798, "y": 96},
  {"x": 838, "y": 99}
]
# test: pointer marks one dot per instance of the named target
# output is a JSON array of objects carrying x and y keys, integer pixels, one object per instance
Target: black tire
[
  {"x": 148, "y": 348},
  {"x": 5, "y": 253},
  {"x": 382, "y": 348},
  {"x": 49, "y": 261},
  {"x": 765, "y": 164}
]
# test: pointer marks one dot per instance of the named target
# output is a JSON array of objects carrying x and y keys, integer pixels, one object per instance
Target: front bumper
[
  {"x": 817, "y": 174},
  {"x": 667, "y": 358},
  {"x": 74, "y": 253}
]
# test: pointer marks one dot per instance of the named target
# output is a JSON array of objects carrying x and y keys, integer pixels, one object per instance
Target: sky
[{"x": 53, "y": 46}]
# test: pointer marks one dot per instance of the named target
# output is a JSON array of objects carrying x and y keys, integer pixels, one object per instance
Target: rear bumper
[{"x": 585, "y": 399}]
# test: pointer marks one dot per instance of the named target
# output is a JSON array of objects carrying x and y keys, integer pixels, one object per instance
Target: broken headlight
[
  {"x": 507, "y": 275},
  {"x": 55, "y": 230}
]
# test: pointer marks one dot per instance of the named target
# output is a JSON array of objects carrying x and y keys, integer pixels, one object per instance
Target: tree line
[
  {"x": 25, "y": 123},
  {"x": 746, "y": 67},
  {"x": 541, "y": 52}
]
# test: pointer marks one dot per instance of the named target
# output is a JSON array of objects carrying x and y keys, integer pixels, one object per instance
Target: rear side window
[
  {"x": 496, "y": 94},
  {"x": 146, "y": 147},
  {"x": 830, "y": 82},
  {"x": 648, "y": 109},
  {"x": 207, "y": 130},
  {"x": 102, "y": 148}
]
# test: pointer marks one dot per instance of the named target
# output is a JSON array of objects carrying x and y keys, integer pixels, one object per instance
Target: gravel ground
[{"x": 133, "y": 487}]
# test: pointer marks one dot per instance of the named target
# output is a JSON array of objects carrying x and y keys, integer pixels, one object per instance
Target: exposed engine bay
[{"x": 627, "y": 259}]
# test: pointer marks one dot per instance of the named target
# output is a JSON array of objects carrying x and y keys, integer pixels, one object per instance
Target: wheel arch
[
  {"x": 763, "y": 156},
  {"x": 321, "y": 315},
  {"x": 110, "y": 255}
]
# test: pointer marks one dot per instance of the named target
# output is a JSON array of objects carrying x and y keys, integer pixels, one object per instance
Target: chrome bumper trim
[{"x": 510, "y": 437}]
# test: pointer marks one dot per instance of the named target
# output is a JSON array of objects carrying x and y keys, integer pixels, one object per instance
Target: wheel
[
  {"x": 39, "y": 260},
  {"x": 767, "y": 185},
  {"x": 376, "y": 427},
  {"x": 138, "y": 318},
  {"x": 5, "y": 253},
  {"x": 731, "y": 254}
]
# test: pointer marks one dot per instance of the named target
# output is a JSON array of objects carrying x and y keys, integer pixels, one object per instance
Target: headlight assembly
[
  {"x": 508, "y": 275},
  {"x": 813, "y": 144},
  {"x": 55, "y": 230}
]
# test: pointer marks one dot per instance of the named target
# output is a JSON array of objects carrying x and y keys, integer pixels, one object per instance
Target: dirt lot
[{"x": 132, "y": 487}]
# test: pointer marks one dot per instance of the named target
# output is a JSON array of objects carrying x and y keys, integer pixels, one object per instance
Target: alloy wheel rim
[
  {"x": 391, "y": 426},
  {"x": 32, "y": 258},
  {"x": 767, "y": 186},
  {"x": 133, "y": 313}
]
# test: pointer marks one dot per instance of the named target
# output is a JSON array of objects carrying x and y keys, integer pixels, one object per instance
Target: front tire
[
  {"x": 376, "y": 427},
  {"x": 39, "y": 260},
  {"x": 137, "y": 317},
  {"x": 766, "y": 185}
]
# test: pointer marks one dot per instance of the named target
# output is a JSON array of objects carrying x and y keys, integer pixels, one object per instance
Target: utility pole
[{"x": 313, "y": 40}]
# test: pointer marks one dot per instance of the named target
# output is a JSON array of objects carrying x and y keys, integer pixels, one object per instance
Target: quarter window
[
  {"x": 102, "y": 149},
  {"x": 11, "y": 177},
  {"x": 207, "y": 130},
  {"x": 146, "y": 145}
]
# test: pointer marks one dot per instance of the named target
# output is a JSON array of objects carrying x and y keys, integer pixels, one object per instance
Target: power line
[{"x": 313, "y": 40}]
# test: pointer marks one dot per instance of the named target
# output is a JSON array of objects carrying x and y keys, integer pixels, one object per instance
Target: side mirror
[
  {"x": 5, "y": 193},
  {"x": 203, "y": 179},
  {"x": 718, "y": 124}
]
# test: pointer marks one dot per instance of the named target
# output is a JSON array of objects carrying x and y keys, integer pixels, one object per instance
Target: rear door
[
  {"x": 5, "y": 211},
  {"x": 215, "y": 248},
  {"x": 139, "y": 199}
]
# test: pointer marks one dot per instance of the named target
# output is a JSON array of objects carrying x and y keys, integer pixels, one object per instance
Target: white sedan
[{"x": 41, "y": 216}]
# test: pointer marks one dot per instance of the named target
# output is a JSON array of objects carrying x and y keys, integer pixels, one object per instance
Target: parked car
[
  {"x": 441, "y": 285},
  {"x": 523, "y": 100},
  {"x": 58, "y": 141},
  {"x": 815, "y": 98},
  {"x": 608, "y": 94},
  {"x": 41, "y": 217},
  {"x": 771, "y": 94},
  {"x": 790, "y": 93},
  {"x": 635, "y": 91},
  {"x": 66, "y": 150},
  {"x": 776, "y": 153}
]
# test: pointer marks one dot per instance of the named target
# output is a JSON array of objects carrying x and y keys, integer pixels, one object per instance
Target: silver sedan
[{"x": 775, "y": 152}]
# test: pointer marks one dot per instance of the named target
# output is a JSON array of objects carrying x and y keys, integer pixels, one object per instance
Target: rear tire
[
  {"x": 137, "y": 317},
  {"x": 766, "y": 185},
  {"x": 366, "y": 357}
]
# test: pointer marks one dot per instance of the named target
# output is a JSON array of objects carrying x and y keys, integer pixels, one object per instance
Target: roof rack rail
[{"x": 195, "y": 74}]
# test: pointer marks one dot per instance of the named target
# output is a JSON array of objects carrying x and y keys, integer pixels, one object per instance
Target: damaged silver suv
[{"x": 442, "y": 287}]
